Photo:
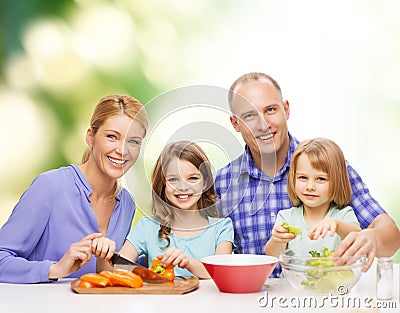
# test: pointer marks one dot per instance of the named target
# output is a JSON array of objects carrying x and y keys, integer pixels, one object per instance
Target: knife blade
[{"x": 146, "y": 274}]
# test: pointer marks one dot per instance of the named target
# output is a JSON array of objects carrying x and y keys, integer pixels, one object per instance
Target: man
[{"x": 253, "y": 187}]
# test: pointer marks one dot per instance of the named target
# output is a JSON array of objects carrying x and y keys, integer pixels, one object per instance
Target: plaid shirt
[{"x": 252, "y": 200}]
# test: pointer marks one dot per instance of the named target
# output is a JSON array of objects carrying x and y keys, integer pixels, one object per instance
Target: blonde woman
[{"x": 66, "y": 213}]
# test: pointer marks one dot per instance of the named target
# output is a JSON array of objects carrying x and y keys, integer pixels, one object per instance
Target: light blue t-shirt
[
  {"x": 302, "y": 244},
  {"x": 144, "y": 237}
]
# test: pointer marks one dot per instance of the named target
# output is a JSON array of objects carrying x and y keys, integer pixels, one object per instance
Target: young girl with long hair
[{"x": 185, "y": 225}]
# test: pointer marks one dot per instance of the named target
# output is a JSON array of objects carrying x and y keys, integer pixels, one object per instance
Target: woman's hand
[
  {"x": 103, "y": 248},
  {"x": 329, "y": 224},
  {"x": 78, "y": 255},
  {"x": 175, "y": 257}
]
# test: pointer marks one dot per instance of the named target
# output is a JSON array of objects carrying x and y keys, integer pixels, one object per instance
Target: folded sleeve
[
  {"x": 364, "y": 205},
  {"x": 225, "y": 232}
]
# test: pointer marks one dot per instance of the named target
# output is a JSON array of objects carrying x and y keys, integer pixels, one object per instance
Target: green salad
[{"x": 325, "y": 280}]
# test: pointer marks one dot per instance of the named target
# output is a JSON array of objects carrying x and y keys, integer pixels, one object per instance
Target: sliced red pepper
[
  {"x": 167, "y": 272},
  {"x": 108, "y": 275},
  {"x": 126, "y": 273},
  {"x": 126, "y": 280},
  {"x": 96, "y": 279},
  {"x": 86, "y": 284}
]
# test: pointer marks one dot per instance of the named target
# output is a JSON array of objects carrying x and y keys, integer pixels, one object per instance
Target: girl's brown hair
[
  {"x": 325, "y": 156},
  {"x": 162, "y": 208},
  {"x": 111, "y": 105}
]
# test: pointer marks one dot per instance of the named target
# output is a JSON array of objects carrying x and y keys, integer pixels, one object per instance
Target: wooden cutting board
[{"x": 179, "y": 286}]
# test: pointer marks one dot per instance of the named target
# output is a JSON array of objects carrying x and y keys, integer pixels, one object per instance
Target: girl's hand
[
  {"x": 175, "y": 257},
  {"x": 78, "y": 255},
  {"x": 281, "y": 235},
  {"x": 103, "y": 248},
  {"x": 323, "y": 227}
]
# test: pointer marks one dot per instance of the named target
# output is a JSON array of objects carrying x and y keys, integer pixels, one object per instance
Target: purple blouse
[{"x": 54, "y": 212}]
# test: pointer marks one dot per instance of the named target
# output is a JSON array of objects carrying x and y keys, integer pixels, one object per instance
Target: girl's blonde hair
[
  {"x": 162, "y": 208},
  {"x": 325, "y": 156},
  {"x": 112, "y": 105}
]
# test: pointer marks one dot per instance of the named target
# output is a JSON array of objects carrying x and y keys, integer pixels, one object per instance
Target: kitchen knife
[{"x": 146, "y": 274}]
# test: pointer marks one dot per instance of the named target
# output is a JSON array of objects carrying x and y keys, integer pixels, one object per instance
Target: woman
[{"x": 66, "y": 213}]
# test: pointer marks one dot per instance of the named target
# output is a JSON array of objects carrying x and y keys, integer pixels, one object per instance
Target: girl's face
[
  {"x": 116, "y": 145},
  {"x": 311, "y": 185},
  {"x": 184, "y": 184}
]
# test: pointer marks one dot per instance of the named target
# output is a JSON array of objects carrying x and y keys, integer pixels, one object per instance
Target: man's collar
[{"x": 248, "y": 166}]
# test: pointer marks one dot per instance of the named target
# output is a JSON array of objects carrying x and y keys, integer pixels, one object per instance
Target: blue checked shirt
[{"x": 252, "y": 200}]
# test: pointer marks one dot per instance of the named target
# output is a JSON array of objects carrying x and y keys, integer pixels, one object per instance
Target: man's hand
[{"x": 357, "y": 244}]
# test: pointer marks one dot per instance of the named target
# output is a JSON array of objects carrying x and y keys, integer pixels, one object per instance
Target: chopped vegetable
[
  {"x": 325, "y": 280},
  {"x": 86, "y": 284},
  {"x": 292, "y": 229},
  {"x": 126, "y": 280},
  {"x": 167, "y": 272},
  {"x": 96, "y": 279},
  {"x": 108, "y": 275},
  {"x": 118, "y": 277}
]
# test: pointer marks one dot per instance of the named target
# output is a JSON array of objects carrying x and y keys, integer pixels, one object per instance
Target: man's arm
[
  {"x": 387, "y": 234},
  {"x": 381, "y": 238}
]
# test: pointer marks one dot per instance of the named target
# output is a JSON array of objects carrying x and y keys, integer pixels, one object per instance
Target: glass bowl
[{"x": 321, "y": 275}]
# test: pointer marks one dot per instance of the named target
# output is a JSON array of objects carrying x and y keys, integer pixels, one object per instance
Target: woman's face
[
  {"x": 184, "y": 184},
  {"x": 116, "y": 145}
]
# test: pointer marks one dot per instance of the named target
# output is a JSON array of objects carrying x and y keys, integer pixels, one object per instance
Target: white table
[{"x": 58, "y": 297}]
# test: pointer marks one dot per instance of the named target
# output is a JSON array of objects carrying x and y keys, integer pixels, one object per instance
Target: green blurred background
[{"x": 337, "y": 63}]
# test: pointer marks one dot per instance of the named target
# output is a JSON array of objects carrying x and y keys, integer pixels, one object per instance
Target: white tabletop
[{"x": 58, "y": 297}]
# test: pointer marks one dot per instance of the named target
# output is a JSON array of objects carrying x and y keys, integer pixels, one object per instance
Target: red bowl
[{"x": 239, "y": 273}]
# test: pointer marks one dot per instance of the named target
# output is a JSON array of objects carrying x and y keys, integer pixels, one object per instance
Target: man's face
[{"x": 260, "y": 115}]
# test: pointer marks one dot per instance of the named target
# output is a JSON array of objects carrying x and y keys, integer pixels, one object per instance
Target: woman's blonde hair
[
  {"x": 112, "y": 105},
  {"x": 162, "y": 208},
  {"x": 325, "y": 156}
]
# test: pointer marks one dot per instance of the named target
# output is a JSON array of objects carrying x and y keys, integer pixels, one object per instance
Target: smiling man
[{"x": 253, "y": 188}]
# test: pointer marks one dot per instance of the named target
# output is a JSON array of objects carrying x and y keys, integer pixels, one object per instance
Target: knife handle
[{"x": 114, "y": 258}]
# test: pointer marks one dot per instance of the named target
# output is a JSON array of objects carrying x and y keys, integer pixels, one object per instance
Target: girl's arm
[
  {"x": 277, "y": 243},
  {"x": 198, "y": 269},
  {"x": 176, "y": 257},
  {"x": 129, "y": 251},
  {"x": 224, "y": 248},
  {"x": 344, "y": 228},
  {"x": 332, "y": 225}
]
